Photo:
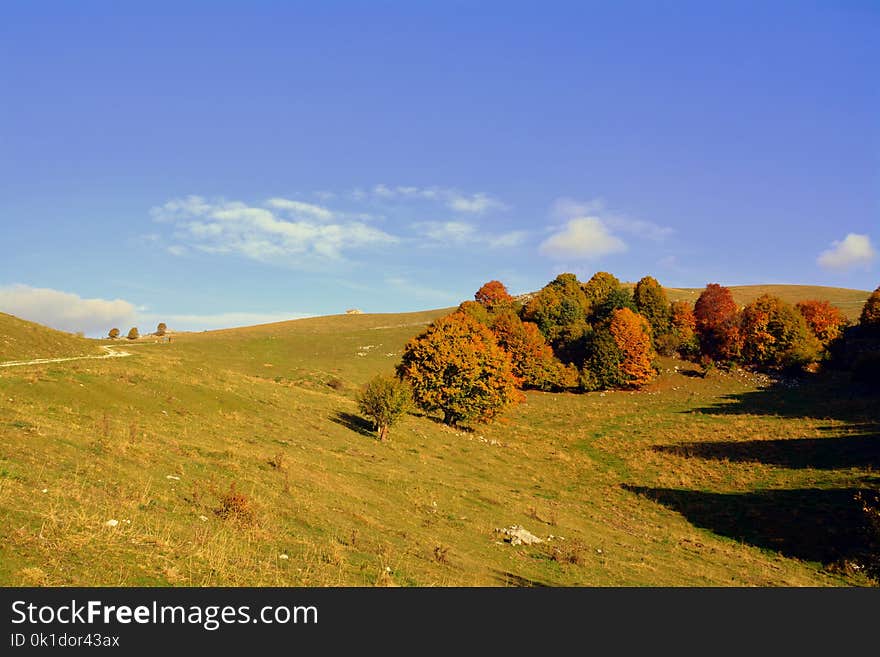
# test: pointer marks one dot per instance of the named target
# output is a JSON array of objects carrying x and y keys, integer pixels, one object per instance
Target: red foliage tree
[
  {"x": 824, "y": 320},
  {"x": 493, "y": 295},
  {"x": 533, "y": 360},
  {"x": 716, "y": 315}
]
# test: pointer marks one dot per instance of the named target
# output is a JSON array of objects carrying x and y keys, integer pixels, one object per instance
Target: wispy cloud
[
  {"x": 568, "y": 208},
  {"x": 419, "y": 291},
  {"x": 453, "y": 199},
  {"x": 851, "y": 252},
  {"x": 65, "y": 311},
  {"x": 465, "y": 233},
  {"x": 306, "y": 234}
]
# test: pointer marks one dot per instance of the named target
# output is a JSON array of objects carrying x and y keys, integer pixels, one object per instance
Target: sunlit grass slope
[
  {"x": 21, "y": 340},
  {"x": 692, "y": 482}
]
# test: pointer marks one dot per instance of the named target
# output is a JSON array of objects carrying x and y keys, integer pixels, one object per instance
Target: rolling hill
[
  {"x": 23, "y": 340},
  {"x": 237, "y": 457}
]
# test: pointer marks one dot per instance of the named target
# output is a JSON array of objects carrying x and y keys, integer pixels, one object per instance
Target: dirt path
[{"x": 111, "y": 353}]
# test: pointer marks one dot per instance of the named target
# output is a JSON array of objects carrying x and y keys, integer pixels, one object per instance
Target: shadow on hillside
[
  {"x": 514, "y": 580},
  {"x": 823, "y": 398},
  {"x": 858, "y": 451},
  {"x": 810, "y": 524},
  {"x": 356, "y": 423}
]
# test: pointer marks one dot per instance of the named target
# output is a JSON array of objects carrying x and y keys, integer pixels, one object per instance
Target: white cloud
[
  {"x": 420, "y": 292},
  {"x": 453, "y": 199},
  {"x": 568, "y": 208},
  {"x": 853, "y": 251},
  {"x": 582, "y": 238},
  {"x": 226, "y": 227},
  {"x": 177, "y": 250},
  {"x": 462, "y": 232},
  {"x": 298, "y": 208},
  {"x": 65, "y": 311}
]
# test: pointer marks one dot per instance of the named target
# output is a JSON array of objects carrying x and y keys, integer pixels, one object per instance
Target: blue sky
[{"x": 212, "y": 164}]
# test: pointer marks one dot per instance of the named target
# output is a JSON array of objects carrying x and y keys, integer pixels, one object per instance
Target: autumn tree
[
  {"x": 632, "y": 335},
  {"x": 716, "y": 316},
  {"x": 457, "y": 367},
  {"x": 559, "y": 310},
  {"x": 825, "y": 321},
  {"x": 476, "y": 310},
  {"x": 870, "y": 317},
  {"x": 600, "y": 285},
  {"x": 683, "y": 326},
  {"x": 133, "y": 334},
  {"x": 533, "y": 360},
  {"x": 776, "y": 335},
  {"x": 384, "y": 399},
  {"x": 652, "y": 304},
  {"x": 113, "y": 334},
  {"x": 493, "y": 296},
  {"x": 160, "y": 330}
]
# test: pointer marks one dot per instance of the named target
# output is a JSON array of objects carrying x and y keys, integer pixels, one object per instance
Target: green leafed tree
[{"x": 384, "y": 399}]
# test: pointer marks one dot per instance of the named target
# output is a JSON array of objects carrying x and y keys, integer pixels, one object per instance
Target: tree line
[{"x": 578, "y": 336}]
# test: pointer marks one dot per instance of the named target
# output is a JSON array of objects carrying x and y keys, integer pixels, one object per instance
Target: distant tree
[
  {"x": 716, "y": 315},
  {"x": 632, "y": 335},
  {"x": 776, "y": 335},
  {"x": 384, "y": 399},
  {"x": 476, "y": 310},
  {"x": 113, "y": 334},
  {"x": 457, "y": 367},
  {"x": 133, "y": 334},
  {"x": 824, "y": 320},
  {"x": 160, "y": 330},
  {"x": 493, "y": 296},
  {"x": 870, "y": 317},
  {"x": 652, "y": 304},
  {"x": 533, "y": 360}
]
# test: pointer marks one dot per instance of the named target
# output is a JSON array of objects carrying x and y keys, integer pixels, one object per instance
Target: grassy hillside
[
  {"x": 717, "y": 481},
  {"x": 849, "y": 301},
  {"x": 21, "y": 340}
]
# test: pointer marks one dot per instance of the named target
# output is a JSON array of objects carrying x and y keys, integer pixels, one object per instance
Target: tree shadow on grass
[
  {"x": 857, "y": 451},
  {"x": 518, "y": 581},
  {"x": 824, "y": 525},
  {"x": 356, "y": 423}
]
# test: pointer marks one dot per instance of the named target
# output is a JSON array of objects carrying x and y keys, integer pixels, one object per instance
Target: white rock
[
  {"x": 172, "y": 477},
  {"x": 203, "y": 518},
  {"x": 112, "y": 522},
  {"x": 283, "y": 556}
]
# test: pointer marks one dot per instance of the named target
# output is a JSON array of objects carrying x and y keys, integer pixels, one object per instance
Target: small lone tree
[
  {"x": 160, "y": 330},
  {"x": 113, "y": 334},
  {"x": 384, "y": 399},
  {"x": 133, "y": 334},
  {"x": 457, "y": 367}
]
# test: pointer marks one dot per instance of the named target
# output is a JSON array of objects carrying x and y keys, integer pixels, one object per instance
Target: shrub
[
  {"x": 632, "y": 335},
  {"x": 825, "y": 321},
  {"x": 716, "y": 316},
  {"x": 457, "y": 367},
  {"x": 384, "y": 399},
  {"x": 533, "y": 360},
  {"x": 113, "y": 334},
  {"x": 235, "y": 505},
  {"x": 160, "y": 330},
  {"x": 133, "y": 334},
  {"x": 775, "y": 335},
  {"x": 493, "y": 296}
]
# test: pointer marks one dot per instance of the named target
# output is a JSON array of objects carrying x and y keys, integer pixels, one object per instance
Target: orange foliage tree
[
  {"x": 457, "y": 367},
  {"x": 716, "y": 316},
  {"x": 632, "y": 335},
  {"x": 774, "y": 334},
  {"x": 533, "y": 360},
  {"x": 494, "y": 296},
  {"x": 824, "y": 320},
  {"x": 870, "y": 317}
]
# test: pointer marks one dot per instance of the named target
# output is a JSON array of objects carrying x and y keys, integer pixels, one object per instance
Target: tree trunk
[{"x": 383, "y": 432}]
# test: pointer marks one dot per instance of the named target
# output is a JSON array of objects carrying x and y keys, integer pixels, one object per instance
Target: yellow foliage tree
[{"x": 632, "y": 335}]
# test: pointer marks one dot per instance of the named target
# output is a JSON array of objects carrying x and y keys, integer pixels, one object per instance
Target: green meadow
[{"x": 238, "y": 457}]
